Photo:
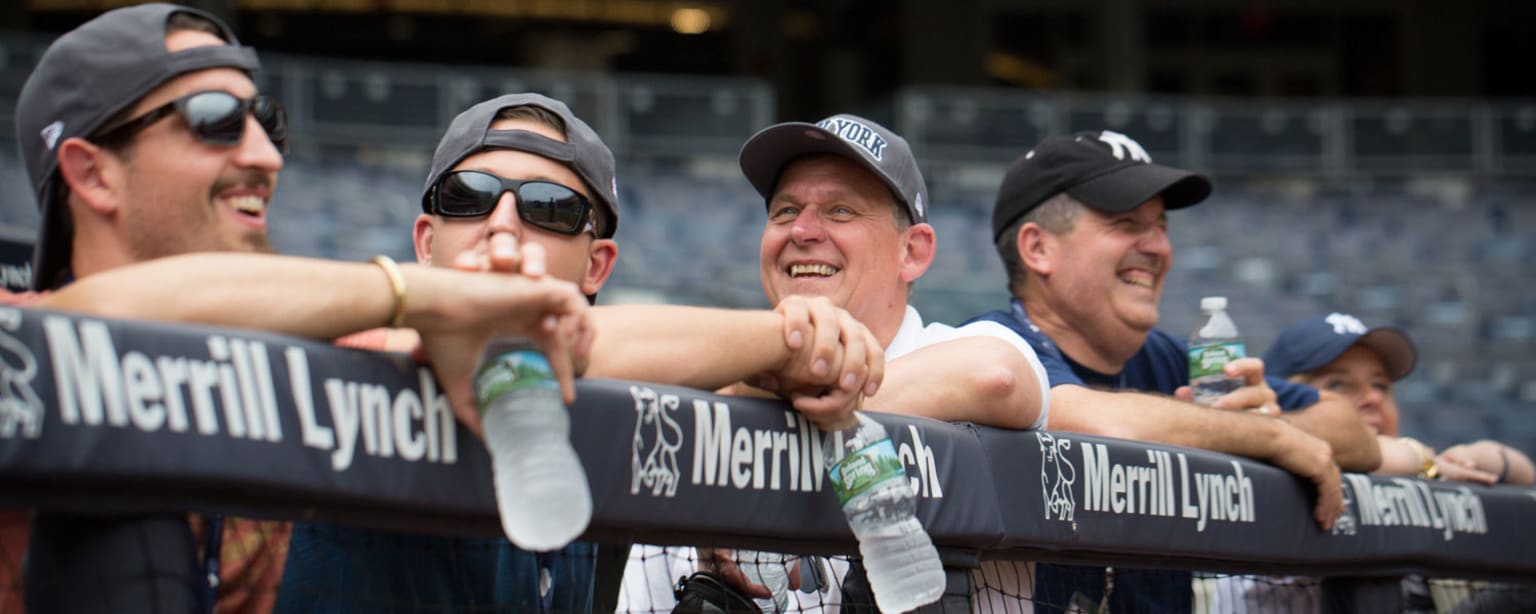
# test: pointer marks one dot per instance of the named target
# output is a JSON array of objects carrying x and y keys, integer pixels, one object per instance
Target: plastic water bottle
[
  {"x": 902, "y": 564},
  {"x": 1211, "y": 347},
  {"x": 769, "y": 569},
  {"x": 541, "y": 488}
]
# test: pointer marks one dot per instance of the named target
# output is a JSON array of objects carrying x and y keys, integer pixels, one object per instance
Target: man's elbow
[
  {"x": 1355, "y": 447},
  {"x": 1360, "y": 454},
  {"x": 1011, "y": 397}
]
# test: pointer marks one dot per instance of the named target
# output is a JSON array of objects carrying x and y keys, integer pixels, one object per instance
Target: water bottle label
[
  {"x": 510, "y": 372},
  {"x": 1208, "y": 359},
  {"x": 859, "y": 471}
]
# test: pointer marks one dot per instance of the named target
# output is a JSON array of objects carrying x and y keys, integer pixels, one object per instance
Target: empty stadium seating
[{"x": 1430, "y": 223}]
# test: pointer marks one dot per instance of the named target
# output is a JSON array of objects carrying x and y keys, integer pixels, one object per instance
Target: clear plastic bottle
[
  {"x": 1214, "y": 344},
  {"x": 903, "y": 566},
  {"x": 769, "y": 569},
  {"x": 541, "y": 488}
]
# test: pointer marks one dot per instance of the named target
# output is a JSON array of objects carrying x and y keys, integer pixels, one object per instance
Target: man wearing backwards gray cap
[
  {"x": 144, "y": 138},
  {"x": 102, "y": 173},
  {"x": 520, "y": 184},
  {"x": 1081, "y": 227},
  {"x": 522, "y": 174}
]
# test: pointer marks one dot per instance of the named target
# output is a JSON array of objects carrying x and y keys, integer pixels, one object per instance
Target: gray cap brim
[{"x": 764, "y": 156}]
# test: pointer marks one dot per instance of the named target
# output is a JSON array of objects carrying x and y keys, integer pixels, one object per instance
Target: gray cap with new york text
[
  {"x": 883, "y": 152},
  {"x": 583, "y": 151},
  {"x": 87, "y": 77}
]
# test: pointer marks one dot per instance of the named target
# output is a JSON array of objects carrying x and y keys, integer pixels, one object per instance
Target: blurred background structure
[{"x": 1371, "y": 156}]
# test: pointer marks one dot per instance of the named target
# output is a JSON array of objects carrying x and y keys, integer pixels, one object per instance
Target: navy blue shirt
[{"x": 1161, "y": 365}]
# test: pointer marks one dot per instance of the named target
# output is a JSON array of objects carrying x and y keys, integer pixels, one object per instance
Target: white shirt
[
  {"x": 913, "y": 335},
  {"x": 652, "y": 571}
]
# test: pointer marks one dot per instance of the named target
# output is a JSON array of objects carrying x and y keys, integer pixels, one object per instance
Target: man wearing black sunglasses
[
  {"x": 521, "y": 174},
  {"x": 520, "y": 184},
  {"x": 149, "y": 147}
]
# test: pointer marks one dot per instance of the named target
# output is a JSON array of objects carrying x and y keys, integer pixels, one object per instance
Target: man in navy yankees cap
[
  {"x": 1338, "y": 352},
  {"x": 1081, "y": 226}
]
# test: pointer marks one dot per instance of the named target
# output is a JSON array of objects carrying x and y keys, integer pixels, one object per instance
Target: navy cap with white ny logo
[{"x": 1313, "y": 343}]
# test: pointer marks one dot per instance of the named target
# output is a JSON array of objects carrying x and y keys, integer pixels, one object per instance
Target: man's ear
[
  {"x": 918, "y": 250},
  {"x": 1036, "y": 248},
  {"x": 93, "y": 174},
  {"x": 421, "y": 236},
  {"x": 600, "y": 260}
]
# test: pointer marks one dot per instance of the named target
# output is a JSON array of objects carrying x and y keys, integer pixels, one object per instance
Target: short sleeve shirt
[
  {"x": 913, "y": 335},
  {"x": 1161, "y": 365}
]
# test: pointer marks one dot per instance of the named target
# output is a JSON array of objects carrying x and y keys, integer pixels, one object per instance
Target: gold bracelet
[
  {"x": 397, "y": 284},
  {"x": 1428, "y": 468}
]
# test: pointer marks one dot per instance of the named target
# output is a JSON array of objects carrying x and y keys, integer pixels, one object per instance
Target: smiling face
[
  {"x": 582, "y": 259},
  {"x": 1104, "y": 276},
  {"x": 181, "y": 195},
  {"x": 833, "y": 231},
  {"x": 1360, "y": 376}
]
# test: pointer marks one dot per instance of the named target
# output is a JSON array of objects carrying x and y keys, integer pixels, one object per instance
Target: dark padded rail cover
[{"x": 114, "y": 416}]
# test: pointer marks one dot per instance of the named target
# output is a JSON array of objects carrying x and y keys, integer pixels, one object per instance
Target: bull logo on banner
[
  {"x": 1346, "y": 523},
  {"x": 653, "y": 453},
  {"x": 1056, "y": 476},
  {"x": 21, "y": 410}
]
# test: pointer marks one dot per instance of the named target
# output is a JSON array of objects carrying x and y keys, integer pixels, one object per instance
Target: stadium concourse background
[{"x": 1374, "y": 157}]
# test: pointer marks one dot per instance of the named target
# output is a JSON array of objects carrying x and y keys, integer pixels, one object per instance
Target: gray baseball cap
[
  {"x": 87, "y": 77},
  {"x": 883, "y": 152},
  {"x": 583, "y": 151}
]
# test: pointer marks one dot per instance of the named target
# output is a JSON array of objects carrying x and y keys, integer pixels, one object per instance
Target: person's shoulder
[
  {"x": 985, "y": 328},
  {"x": 1161, "y": 353},
  {"x": 1160, "y": 340}
]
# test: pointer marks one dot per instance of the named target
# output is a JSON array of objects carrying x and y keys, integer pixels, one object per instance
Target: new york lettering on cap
[
  {"x": 857, "y": 134},
  {"x": 884, "y": 153}
]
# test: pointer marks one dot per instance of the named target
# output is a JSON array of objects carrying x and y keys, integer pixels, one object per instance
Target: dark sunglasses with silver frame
[
  {"x": 213, "y": 117},
  {"x": 541, "y": 203}
]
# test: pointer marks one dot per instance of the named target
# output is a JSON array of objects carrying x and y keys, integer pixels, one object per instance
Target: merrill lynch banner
[{"x": 105, "y": 415}]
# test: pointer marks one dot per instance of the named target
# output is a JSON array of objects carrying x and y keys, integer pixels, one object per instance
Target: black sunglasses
[
  {"x": 213, "y": 117},
  {"x": 544, "y": 204}
]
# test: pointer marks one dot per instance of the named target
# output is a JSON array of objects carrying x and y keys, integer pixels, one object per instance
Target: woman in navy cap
[{"x": 1337, "y": 352}]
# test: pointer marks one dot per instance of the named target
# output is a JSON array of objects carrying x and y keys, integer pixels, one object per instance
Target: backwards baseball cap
[
  {"x": 583, "y": 151},
  {"x": 885, "y": 154},
  {"x": 87, "y": 77},
  {"x": 1313, "y": 343},
  {"x": 1105, "y": 170}
]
